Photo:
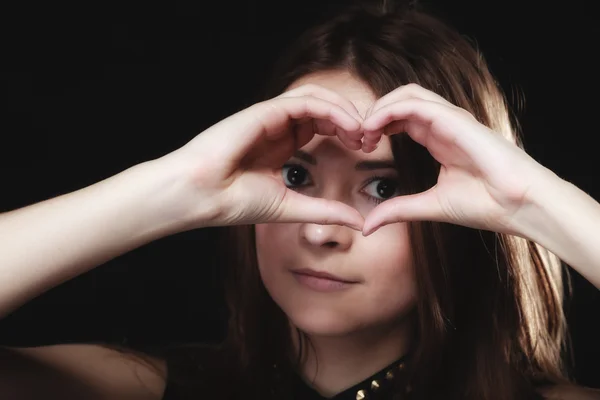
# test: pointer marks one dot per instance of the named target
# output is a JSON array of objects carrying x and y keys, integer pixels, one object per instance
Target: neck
[{"x": 337, "y": 363}]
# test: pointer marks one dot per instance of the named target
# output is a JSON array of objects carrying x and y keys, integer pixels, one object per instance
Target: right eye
[{"x": 295, "y": 175}]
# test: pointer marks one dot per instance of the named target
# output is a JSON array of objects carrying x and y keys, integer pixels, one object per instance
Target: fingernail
[{"x": 370, "y": 230}]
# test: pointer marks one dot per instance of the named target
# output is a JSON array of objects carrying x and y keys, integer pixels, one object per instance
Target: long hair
[{"x": 490, "y": 322}]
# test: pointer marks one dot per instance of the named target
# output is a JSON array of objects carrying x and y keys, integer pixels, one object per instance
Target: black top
[
  {"x": 367, "y": 388},
  {"x": 377, "y": 386}
]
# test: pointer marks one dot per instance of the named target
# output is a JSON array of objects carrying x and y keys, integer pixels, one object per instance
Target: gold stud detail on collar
[
  {"x": 375, "y": 385},
  {"x": 389, "y": 375},
  {"x": 361, "y": 395}
]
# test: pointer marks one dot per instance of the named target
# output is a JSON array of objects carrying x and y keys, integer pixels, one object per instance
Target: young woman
[{"x": 388, "y": 236}]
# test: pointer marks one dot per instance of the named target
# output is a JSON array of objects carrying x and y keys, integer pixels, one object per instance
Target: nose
[{"x": 326, "y": 236}]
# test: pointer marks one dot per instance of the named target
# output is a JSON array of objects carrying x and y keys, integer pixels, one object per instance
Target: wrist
[
  {"x": 536, "y": 218},
  {"x": 171, "y": 197}
]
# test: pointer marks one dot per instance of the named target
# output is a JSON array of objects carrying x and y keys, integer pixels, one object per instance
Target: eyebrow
[{"x": 360, "y": 166}]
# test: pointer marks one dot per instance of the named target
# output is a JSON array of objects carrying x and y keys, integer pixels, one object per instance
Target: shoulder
[
  {"x": 570, "y": 392},
  {"x": 92, "y": 371}
]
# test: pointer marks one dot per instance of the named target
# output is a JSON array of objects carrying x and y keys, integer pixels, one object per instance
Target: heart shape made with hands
[{"x": 484, "y": 177}]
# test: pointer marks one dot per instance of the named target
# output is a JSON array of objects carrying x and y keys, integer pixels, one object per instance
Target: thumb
[
  {"x": 300, "y": 208},
  {"x": 422, "y": 206}
]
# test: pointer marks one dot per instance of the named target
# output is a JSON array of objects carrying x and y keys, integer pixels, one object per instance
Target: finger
[
  {"x": 411, "y": 116},
  {"x": 300, "y": 208},
  {"x": 327, "y": 128},
  {"x": 273, "y": 120},
  {"x": 371, "y": 140},
  {"x": 450, "y": 135},
  {"x": 324, "y": 127},
  {"x": 410, "y": 91},
  {"x": 305, "y": 132},
  {"x": 415, "y": 207},
  {"x": 325, "y": 94},
  {"x": 276, "y": 114},
  {"x": 350, "y": 143}
]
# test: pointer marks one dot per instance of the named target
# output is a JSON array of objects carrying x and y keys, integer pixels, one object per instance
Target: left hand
[{"x": 484, "y": 179}]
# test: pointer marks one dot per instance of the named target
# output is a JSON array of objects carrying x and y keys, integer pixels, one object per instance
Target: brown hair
[{"x": 490, "y": 321}]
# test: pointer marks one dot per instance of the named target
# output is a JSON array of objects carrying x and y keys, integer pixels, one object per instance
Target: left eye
[
  {"x": 295, "y": 175},
  {"x": 382, "y": 188}
]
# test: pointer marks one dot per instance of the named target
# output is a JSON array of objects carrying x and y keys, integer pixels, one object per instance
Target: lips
[{"x": 324, "y": 275}]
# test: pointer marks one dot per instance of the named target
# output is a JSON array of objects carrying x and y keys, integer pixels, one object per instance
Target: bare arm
[
  {"x": 565, "y": 220},
  {"x": 79, "y": 371},
  {"x": 50, "y": 242}
]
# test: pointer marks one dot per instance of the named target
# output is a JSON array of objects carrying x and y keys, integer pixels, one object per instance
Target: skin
[
  {"x": 371, "y": 316},
  {"x": 202, "y": 184}
]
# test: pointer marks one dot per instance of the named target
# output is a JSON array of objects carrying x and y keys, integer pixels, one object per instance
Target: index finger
[{"x": 331, "y": 96}]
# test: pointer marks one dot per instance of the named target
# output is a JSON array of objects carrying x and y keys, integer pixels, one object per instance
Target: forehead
[{"x": 343, "y": 83}]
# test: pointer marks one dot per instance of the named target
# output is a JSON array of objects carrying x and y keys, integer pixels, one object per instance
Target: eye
[
  {"x": 295, "y": 175},
  {"x": 381, "y": 188}
]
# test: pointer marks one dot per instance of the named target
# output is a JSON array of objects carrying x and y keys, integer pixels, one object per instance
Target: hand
[
  {"x": 235, "y": 165},
  {"x": 484, "y": 179}
]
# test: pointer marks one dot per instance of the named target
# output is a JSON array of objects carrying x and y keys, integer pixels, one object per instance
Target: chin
[{"x": 321, "y": 323}]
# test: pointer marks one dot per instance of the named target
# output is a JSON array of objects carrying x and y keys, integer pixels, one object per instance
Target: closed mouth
[{"x": 323, "y": 275}]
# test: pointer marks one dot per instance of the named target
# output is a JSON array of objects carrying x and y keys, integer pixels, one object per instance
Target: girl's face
[{"x": 384, "y": 288}]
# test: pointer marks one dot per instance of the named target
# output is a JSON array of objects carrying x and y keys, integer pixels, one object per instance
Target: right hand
[{"x": 234, "y": 167}]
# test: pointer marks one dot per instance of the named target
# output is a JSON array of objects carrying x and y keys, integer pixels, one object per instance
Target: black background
[{"x": 89, "y": 90}]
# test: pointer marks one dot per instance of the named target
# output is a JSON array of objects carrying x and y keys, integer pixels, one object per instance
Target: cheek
[
  {"x": 273, "y": 241},
  {"x": 273, "y": 248},
  {"x": 391, "y": 273}
]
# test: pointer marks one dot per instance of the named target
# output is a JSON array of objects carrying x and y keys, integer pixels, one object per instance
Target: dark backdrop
[{"x": 92, "y": 89}]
